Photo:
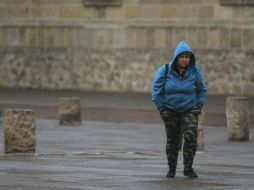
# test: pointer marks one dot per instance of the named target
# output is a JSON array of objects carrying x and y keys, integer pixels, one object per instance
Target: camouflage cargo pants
[{"x": 177, "y": 125}]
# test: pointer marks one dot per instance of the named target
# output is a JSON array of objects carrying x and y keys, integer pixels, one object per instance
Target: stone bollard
[
  {"x": 237, "y": 118},
  {"x": 19, "y": 131},
  {"x": 69, "y": 111},
  {"x": 201, "y": 119}
]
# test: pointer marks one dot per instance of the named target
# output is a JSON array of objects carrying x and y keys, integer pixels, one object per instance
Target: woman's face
[{"x": 183, "y": 60}]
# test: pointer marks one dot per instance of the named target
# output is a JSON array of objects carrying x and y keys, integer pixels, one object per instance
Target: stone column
[
  {"x": 19, "y": 131},
  {"x": 69, "y": 111},
  {"x": 201, "y": 119},
  {"x": 237, "y": 118}
]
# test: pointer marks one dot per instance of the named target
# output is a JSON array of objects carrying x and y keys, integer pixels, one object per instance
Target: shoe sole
[{"x": 190, "y": 177}]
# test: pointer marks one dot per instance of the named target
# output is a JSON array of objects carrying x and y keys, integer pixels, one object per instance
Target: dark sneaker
[
  {"x": 190, "y": 174},
  {"x": 171, "y": 174}
]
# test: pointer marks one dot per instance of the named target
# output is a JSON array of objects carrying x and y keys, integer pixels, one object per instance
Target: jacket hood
[{"x": 181, "y": 48}]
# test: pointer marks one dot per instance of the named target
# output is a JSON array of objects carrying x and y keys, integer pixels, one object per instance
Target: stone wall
[{"x": 63, "y": 44}]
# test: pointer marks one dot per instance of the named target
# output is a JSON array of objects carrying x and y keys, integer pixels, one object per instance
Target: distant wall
[{"x": 117, "y": 45}]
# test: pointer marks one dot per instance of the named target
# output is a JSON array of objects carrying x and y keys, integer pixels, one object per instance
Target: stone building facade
[{"x": 117, "y": 45}]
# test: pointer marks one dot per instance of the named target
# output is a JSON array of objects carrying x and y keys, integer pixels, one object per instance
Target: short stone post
[
  {"x": 201, "y": 119},
  {"x": 237, "y": 118},
  {"x": 19, "y": 131},
  {"x": 69, "y": 111}
]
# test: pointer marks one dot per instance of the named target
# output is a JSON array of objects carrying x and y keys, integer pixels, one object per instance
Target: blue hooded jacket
[{"x": 179, "y": 94}]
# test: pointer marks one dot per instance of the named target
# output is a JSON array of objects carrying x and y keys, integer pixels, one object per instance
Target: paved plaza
[{"x": 106, "y": 154}]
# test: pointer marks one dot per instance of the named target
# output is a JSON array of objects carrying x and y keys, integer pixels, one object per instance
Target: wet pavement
[
  {"x": 108, "y": 153},
  {"x": 105, "y": 155}
]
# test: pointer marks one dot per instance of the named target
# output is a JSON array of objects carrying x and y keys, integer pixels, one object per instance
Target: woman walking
[{"x": 179, "y": 93}]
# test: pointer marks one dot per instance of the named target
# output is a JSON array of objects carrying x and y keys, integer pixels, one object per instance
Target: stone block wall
[{"x": 117, "y": 45}]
